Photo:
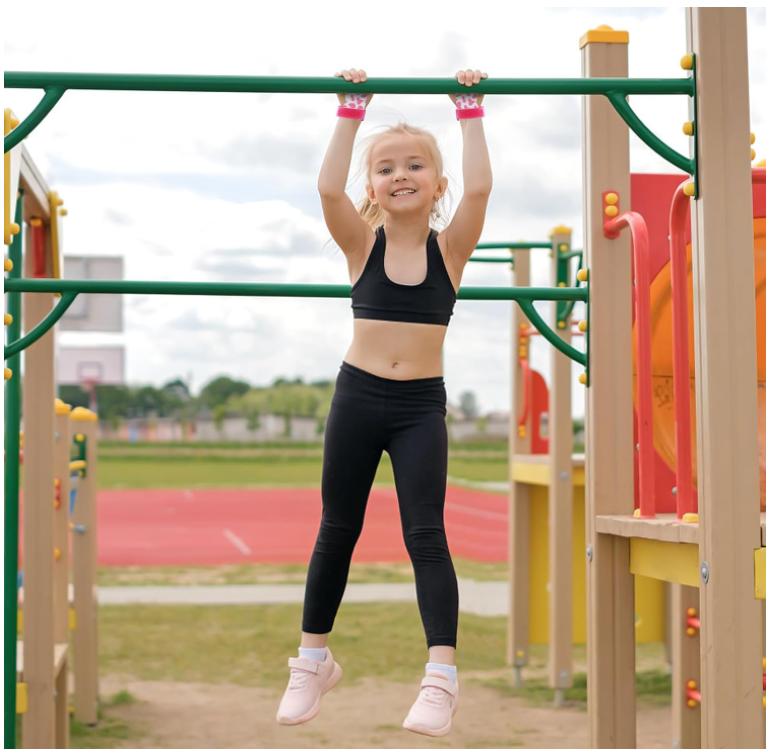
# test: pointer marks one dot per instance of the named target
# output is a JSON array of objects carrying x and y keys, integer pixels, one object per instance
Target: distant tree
[
  {"x": 218, "y": 391},
  {"x": 177, "y": 388},
  {"x": 468, "y": 404}
]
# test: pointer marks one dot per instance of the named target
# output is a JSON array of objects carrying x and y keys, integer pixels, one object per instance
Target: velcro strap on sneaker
[
  {"x": 439, "y": 682},
  {"x": 304, "y": 663}
]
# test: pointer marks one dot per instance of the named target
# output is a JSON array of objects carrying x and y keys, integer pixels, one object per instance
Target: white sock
[
  {"x": 448, "y": 670},
  {"x": 313, "y": 653}
]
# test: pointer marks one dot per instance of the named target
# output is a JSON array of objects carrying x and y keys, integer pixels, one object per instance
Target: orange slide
[{"x": 650, "y": 196}]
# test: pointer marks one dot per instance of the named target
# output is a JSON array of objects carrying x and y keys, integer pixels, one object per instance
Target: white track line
[
  {"x": 237, "y": 542},
  {"x": 496, "y": 515}
]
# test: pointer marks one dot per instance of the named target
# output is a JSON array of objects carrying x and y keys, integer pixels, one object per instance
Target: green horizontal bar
[
  {"x": 509, "y": 260},
  {"x": 516, "y": 245},
  {"x": 308, "y": 290},
  {"x": 333, "y": 84}
]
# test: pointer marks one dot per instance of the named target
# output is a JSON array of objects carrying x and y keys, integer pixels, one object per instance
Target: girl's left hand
[{"x": 469, "y": 78}]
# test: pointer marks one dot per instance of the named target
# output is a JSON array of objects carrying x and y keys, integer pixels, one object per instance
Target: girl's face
[{"x": 402, "y": 178}]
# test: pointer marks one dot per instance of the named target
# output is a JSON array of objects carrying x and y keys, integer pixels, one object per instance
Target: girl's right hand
[{"x": 356, "y": 76}]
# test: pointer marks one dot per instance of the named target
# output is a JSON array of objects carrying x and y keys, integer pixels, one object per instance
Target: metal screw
[
  {"x": 589, "y": 553},
  {"x": 673, "y": 490},
  {"x": 705, "y": 572},
  {"x": 564, "y": 475}
]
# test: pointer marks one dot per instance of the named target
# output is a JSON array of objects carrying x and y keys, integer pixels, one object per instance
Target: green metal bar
[
  {"x": 618, "y": 101},
  {"x": 304, "y": 290},
  {"x": 570, "y": 254},
  {"x": 509, "y": 260},
  {"x": 11, "y": 490},
  {"x": 43, "y": 108},
  {"x": 516, "y": 245},
  {"x": 334, "y": 84},
  {"x": 16, "y": 346},
  {"x": 568, "y": 307},
  {"x": 550, "y": 336}
]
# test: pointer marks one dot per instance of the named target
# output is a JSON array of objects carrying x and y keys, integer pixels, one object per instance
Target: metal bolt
[
  {"x": 563, "y": 476},
  {"x": 589, "y": 553},
  {"x": 673, "y": 490},
  {"x": 705, "y": 572}
]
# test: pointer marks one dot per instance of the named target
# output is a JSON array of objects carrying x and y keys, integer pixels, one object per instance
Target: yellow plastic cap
[
  {"x": 692, "y": 685},
  {"x": 760, "y": 164},
  {"x": 605, "y": 35},
  {"x": 688, "y": 128},
  {"x": 689, "y": 189},
  {"x": 611, "y": 211},
  {"x": 560, "y": 230},
  {"x": 61, "y": 408},
  {"x": 611, "y": 197},
  {"x": 8, "y": 264},
  {"x": 562, "y": 285},
  {"x": 583, "y": 378},
  {"x": 582, "y": 275},
  {"x": 8, "y": 373},
  {"x": 36, "y": 222},
  {"x": 752, "y": 154},
  {"x": 82, "y": 414},
  {"x": 687, "y": 61},
  {"x": 8, "y": 319},
  {"x": 690, "y": 518},
  {"x": 583, "y": 325},
  {"x": 692, "y": 612},
  {"x": 752, "y": 138},
  {"x": 521, "y": 431}
]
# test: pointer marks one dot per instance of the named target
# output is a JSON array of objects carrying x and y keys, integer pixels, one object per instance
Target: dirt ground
[{"x": 199, "y": 715}]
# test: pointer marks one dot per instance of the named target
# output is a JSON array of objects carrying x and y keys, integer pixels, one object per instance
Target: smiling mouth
[{"x": 404, "y": 192}]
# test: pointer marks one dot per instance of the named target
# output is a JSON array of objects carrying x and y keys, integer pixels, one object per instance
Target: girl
[{"x": 390, "y": 393}]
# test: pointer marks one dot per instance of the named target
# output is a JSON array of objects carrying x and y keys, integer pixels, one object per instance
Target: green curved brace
[
  {"x": 566, "y": 312},
  {"x": 41, "y": 328},
  {"x": 31, "y": 122},
  {"x": 533, "y": 317},
  {"x": 619, "y": 102}
]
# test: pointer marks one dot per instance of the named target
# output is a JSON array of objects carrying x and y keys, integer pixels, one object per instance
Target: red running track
[{"x": 225, "y": 526}]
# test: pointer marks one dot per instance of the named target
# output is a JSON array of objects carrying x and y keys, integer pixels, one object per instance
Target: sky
[{"x": 222, "y": 187}]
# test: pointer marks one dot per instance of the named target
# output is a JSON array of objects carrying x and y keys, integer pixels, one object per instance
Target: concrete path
[{"x": 478, "y": 597}]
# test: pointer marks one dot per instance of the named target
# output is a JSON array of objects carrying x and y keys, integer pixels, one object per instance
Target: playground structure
[{"x": 722, "y": 553}]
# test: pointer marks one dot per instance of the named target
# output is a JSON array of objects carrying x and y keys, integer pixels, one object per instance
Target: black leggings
[{"x": 370, "y": 414}]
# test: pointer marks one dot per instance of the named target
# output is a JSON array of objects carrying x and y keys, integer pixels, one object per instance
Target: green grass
[
  {"x": 286, "y": 573},
  {"x": 109, "y": 732}
]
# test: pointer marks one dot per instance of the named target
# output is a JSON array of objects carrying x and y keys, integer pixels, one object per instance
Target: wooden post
[
  {"x": 560, "y": 495},
  {"x": 518, "y": 539},
  {"x": 84, "y": 556},
  {"x": 38, "y": 515},
  {"x": 685, "y": 721},
  {"x": 609, "y": 412},
  {"x": 61, "y": 565},
  {"x": 726, "y": 384}
]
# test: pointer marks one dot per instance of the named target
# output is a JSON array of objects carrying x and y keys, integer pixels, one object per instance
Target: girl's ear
[
  {"x": 370, "y": 192},
  {"x": 442, "y": 186}
]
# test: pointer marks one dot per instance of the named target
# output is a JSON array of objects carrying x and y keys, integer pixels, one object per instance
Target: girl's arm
[
  {"x": 464, "y": 230},
  {"x": 348, "y": 229}
]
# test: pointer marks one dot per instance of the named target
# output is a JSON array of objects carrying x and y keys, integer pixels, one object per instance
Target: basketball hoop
[{"x": 89, "y": 374}]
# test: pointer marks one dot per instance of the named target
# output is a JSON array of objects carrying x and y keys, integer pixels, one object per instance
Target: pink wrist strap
[
  {"x": 467, "y": 107},
  {"x": 353, "y": 107}
]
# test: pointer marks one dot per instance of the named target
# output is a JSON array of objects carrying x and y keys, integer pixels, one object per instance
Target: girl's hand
[
  {"x": 469, "y": 78},
  {"x": 356, "y": 76}
]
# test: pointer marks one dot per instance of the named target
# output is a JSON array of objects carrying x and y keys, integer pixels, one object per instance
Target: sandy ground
[{"x": 199, "y": 715}]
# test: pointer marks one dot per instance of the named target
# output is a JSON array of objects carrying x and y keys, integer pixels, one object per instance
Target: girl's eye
[
  {"x": 383, "y": 170},
  {"x": 416, "y": 165}
]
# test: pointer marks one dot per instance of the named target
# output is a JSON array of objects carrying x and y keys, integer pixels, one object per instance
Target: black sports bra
[{"x": 375, "y": 296}]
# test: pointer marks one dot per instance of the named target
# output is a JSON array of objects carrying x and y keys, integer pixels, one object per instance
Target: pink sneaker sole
[
  {"x": 314, "y": 711},
  {"x": 418, "y": 728}
]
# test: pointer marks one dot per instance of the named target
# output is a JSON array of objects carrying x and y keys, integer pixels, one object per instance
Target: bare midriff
[{"x": 397, "y": 350}]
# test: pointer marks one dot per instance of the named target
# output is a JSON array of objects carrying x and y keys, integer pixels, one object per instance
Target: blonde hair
[{"x": 372, "y": 213}]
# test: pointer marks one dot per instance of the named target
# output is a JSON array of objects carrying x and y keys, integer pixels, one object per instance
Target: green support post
[{"x": 12, "y": 428}]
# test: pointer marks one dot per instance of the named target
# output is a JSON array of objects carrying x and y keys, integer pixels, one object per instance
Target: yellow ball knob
[
  {"x": 692, "y": 612},
  {"x": 692, "y": 685},
  {"x": 8, "y": 319},
  {"x": 611, "y": 211},
  {"x": 583, "y": 378},
  {"x": 562, "y": 284},
  {"x": 691, "y": 631},
  {"x": 752, "y": 138},
  {"x": 689, "y": 189},
  {"x": 582, "y": 275},
  {"x": 563, "y": 247},
  {"x": 57, "y": 553},
  {"x": 611, "y": 198},
  {"x": 760, "y": 164},
  {"x": 561, "y": 324},
  {"x": 14, "y": 121},
  {"x": 522, "y": 352},
  {"x": 582, "y": 325},
  {"x": 692, "y": 704},
  {"x": 79, "y": 437},
  {"x": 752, "y": 154},
  {"x": 63, "y": 212},
  {"x": 8, "y": 373},
  {"x": 14, "y": 228},
  {"x": 521, "y": 431},
  {"x": 687, "y": 61},
  {"x": 8, "y": 264},
  {"x": 690, "y": 518},
  {"x": 603, "y": 27},
  {"x": 637, "y": 512},
  {"x": 688, "y": 128},
  {"x": 36, "y": 222},
  {"x": 519, "y": 653}
]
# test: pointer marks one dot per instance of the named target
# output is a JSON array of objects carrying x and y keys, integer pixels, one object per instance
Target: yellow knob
[
  {"x": 8, "y": 373},
  {"x": 752, "y": 154},
  {"x": 8, "y": 264},
  {"x": 563, "y": 247},
  {"x": 57, "y": 553},
  {"x": 752, "y": 138},
  {"x": 611, "y": 211},
  {"x": 692, "y": 704},
  {"x": 690, "y": 518},
  {"x": 522, "y": 352},
  {"x": 611, "y": 198},
  {"x": 637, "y": 512},
  {"x": 583, "y": 378},
  {"x": 561, "y": 324},
  {"x": 687, "y": 62},
  {"x": 582, "y": 275},
  {"x": 63, "y": 212},
  {"x": 582, "y": 325},
  {"x": 691, "y": 631},
  {"x": 519, "y": 653},
  {"x": 760, "y": 164},
  {"x": 562, "y": 285},
  {"x": 14, "y": 228},
  {"x": 692, "y": 685},
  {"x": 79, "y": 437},
  {"x": 603, "y": 27},
  {"x": 14, "y": 121},
  {"x": 8, "y": 318},
  {"x": 521, "y": 430},
  {"x": 689, "y": 189},
  {"x": 692, "y": 612},
  {"x": 688, "y": 128},
  {"x": 36, "y": 222}
]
